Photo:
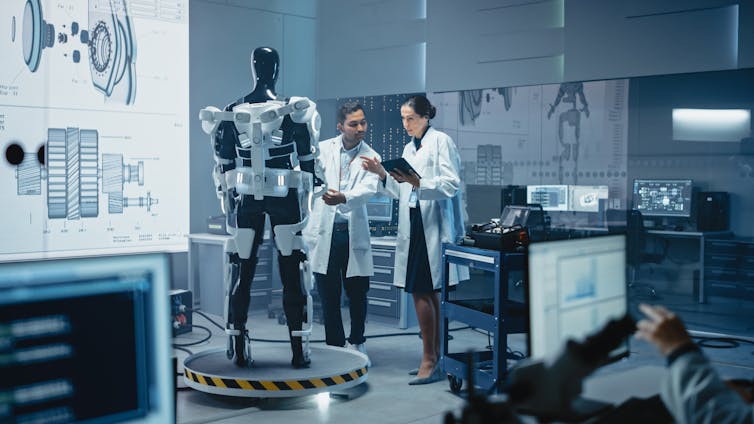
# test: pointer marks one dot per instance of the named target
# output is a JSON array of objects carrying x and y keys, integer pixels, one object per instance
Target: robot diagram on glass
[
  {"x": 569, "y": 92},
  {"x": 257, "y": 142}
]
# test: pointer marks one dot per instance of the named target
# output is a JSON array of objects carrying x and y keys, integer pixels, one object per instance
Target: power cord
[{"x": 205, "y": 339}]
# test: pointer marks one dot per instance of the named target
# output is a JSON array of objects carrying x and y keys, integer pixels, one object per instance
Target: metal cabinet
[
  {"x": 207, "y": 270},
  {"x": 386, "y": 302},
  {"x": 729, "y": 268}
]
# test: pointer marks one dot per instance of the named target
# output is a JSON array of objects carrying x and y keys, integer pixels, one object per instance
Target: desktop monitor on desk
[
  {"x": 380, "y": 208},
  {"x": 663, "y": 198},
  {"x": 551, "y": 197},
  {"x": 587, "y": 198},
  {"x": 575, "y": 287},
  {"x": 86, "y": 340}
]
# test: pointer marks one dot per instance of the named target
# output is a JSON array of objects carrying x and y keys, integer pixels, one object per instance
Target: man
[
  {"x": 338, "y": 230},
  {"x": 692, "y": 390}
]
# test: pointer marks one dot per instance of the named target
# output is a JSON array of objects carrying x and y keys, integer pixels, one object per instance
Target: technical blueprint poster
[
  {"x": 570, "y": 133},
  {"x": 95, "y": 93}
]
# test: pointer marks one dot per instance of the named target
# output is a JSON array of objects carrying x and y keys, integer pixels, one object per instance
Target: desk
[{"x": 701, "y": 236}]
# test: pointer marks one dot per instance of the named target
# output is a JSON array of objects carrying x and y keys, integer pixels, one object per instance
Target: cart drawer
[
  {"x": 381, "y": 307},
  {"x": 383, "y": 257},
  {"x": 384, "y": 291},
  {"x": 383, "y": 274}
]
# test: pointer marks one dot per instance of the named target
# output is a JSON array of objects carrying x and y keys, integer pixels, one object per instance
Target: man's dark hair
[{"x": 348, "y": 108}]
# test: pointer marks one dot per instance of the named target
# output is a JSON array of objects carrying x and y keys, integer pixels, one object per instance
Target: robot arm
[
  {"x": 223, "y": 138},
  {"x": 305, "y": 112}
]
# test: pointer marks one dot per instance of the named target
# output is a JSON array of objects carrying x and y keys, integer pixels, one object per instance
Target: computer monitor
[
  {"x": 665, "y": 198},
  {"x": 587, "y": 198},
  {"x": 86, "y": 340},
  {"x": 514, "y": 215},
  {"x": 551, "y": 197},
  {"x": 575, "y": 287},
  {"x": 380, "y": 208}
]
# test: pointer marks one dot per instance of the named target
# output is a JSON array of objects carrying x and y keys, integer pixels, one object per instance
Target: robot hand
[
  {"x": 548, "y": 388},
  {"x": 585, "y": 109},
  {"x": 551, "y": 111}
]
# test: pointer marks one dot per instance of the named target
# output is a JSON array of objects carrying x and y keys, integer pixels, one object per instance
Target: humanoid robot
[
  {"x": 567, "y": 93},
  {"x": 258, "y": 140}
]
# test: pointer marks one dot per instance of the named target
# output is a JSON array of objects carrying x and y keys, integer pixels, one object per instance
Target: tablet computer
[{"x": 401, "y": 165}]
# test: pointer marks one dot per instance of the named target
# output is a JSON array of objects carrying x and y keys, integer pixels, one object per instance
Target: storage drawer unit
[
  {"x": 729, "y": 268},
  {"x": 207, "y": 272},
  {"x": 386, "y": 302}
]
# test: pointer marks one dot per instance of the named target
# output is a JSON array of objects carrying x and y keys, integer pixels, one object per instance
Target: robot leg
[
  {"x": 294, "y": 302},
  {"x": 307, "y": 283},
  {"x": 239, "y": 273}
]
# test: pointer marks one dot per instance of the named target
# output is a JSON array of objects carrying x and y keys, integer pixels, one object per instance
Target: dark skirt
[{"x": 418, "y": 274}]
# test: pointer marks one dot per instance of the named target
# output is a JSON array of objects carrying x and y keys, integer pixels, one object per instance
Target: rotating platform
[{"x": 332, "y": 368}]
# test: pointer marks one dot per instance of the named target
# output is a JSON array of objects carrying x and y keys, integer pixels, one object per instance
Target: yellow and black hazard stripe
[{"x": 242, "y": 384}]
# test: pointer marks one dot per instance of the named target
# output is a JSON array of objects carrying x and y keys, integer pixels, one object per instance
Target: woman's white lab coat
[
  {"x": 360, "y": 188},
  {"x": 438, "y": 164}
]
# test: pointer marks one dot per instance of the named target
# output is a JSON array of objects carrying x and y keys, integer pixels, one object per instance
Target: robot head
[{"x": 265, "y": 64}]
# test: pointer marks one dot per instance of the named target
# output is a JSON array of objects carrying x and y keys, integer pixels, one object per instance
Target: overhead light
[{"x": 718, "y": 125}]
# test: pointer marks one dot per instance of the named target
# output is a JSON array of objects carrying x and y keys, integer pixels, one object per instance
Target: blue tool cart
[{"x": 500, "y": 309}]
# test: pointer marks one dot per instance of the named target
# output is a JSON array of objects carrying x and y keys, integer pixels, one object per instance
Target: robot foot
[
  {"x": 300, "y": 360},
  {"x": 239, "y": 350}
]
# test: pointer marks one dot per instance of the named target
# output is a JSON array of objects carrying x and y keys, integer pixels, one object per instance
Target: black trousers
[
  {"x": 250, "y": 213},
  {"x": 330, "y": 287}
]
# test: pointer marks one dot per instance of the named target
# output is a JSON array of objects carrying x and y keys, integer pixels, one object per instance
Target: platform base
[{"x": 332, "y": 369}]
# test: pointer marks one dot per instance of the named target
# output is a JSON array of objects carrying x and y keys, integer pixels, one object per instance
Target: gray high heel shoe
[{"x": 435, "y": 376}]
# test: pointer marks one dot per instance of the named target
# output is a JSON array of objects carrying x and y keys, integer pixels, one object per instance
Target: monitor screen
[
  {"x": 514, "y": 215},
  {"x": 586, "y": 198},
  {"x": 575, "y": 287},
  {"x": 380, "y": 208},
  {"x": 551, "y": 197},
  {"x": 86, "y": 340},
  {"x": 663, "y": 197}
]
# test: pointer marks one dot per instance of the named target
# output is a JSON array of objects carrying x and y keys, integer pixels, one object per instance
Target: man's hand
[
  {"x": 662, "y": 328},
  {"x": 333, "y": 197},
  {"x": 374, "y": 166}
]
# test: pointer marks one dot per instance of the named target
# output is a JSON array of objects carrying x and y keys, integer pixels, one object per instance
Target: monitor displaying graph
[{"x": 575, "y": 287}]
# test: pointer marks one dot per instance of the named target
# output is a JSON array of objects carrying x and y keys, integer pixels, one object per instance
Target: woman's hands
[{"x": 373, "y": 165}]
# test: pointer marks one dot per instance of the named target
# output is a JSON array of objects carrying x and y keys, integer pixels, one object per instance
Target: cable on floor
[{"x": 205, "y": 339}]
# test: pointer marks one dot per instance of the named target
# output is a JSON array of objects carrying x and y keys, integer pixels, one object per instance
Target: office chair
[{"x": 631, "y": 222}]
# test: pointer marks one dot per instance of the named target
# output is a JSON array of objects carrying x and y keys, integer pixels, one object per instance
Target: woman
[{"x": 429, "y": 215}]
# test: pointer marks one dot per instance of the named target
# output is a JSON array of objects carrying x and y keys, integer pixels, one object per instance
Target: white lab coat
[
  {"x": 438, "y": 164},
  {"x": 360, "y": 188}
]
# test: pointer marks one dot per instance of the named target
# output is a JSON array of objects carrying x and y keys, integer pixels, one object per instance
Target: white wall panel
[
  {"x": 298, "y": 61},
  {"x": 486, "y": 43},
  {"x": 609, "y": 38},
  {"x": 304, "y": 8},
  {"x": 370, "y": 47}
]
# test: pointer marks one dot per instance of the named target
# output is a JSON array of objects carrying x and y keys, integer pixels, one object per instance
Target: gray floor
[{"x": 386, "y": 397}]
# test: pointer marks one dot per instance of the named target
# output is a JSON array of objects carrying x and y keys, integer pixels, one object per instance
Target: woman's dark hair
[{"x": 421, "y": 106}]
